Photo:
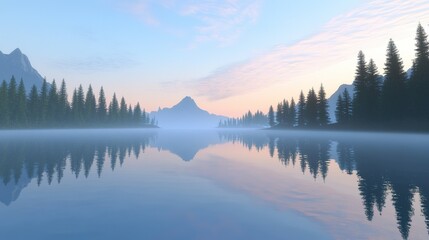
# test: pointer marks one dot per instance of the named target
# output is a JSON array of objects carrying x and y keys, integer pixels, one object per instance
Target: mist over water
[{"x": 213, "y": 184}]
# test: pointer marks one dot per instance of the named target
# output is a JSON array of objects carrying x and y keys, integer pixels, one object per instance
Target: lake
[{"x": 213, "y": 184}]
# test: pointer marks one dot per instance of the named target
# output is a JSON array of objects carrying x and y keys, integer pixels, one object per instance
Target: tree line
[
  {"x": 393, "y": 99},
  {"x": 311, "y": 111},
  {"x": 50, "y": 107},
  {"x": 258, "y": 119}
]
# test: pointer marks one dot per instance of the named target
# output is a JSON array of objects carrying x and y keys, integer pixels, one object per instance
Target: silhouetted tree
[
  {"x": 394, "y": 94},
  {"x": 114, "y": 110},
  {"x": 291, "y": 119},
  {"x": 301, "y": 110},
  {"x": 311, "y": 109},
  {"x": 52, "y": 105},
  {"x": 322, "y": 105},
  {"x": 63, "y": 103},
  {"x": 271, "y": 120},
  {"x": 12, "y": 100},
  {"x": 360, "y": 87},
  {"x": 90, "y": 106},
  {"x": 373, "y": 93},
  {"x": 21, "y": 111},
  {"x": 33, "y": 106},
  {"x": 102, "y": 107},
  {"x": 419, "y": 81}
]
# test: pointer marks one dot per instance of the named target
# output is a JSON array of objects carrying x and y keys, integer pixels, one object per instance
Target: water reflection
[
  {"x": 383, "y": 165},
  {"x": 393, "y": 167},
  {"x": 46, "y": 155}
]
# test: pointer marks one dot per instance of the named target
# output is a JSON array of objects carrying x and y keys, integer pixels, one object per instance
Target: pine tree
[
  {"x": 33, "y": 106},
  {"x": 419, "y": 81},
  {"x": 52, "y": 104},
  {"x": 80, "y": 105},
  {"x": 271, "y": 120},
  {"x": 12, "y": 100},
  {"x": 21, "y": 111},
  {"x": 129, "y": 114},
  {"x": 373, "y": 93},
  {"x": 322, "y": 105},
  {"x": 4, "y": 105},
  {"x": 63, "y": 103},
  {"x": 311, "y": 109},
  {"x": 279, "y": 114},
  {"x": 360, "y": 87},
  {"x": 339, "y": 111},
  {"x": 123, "y": 111},
  {"x": 90, "y": 106},
  {"x": 138, "y": 115},
  {"x": 347, "y": 107},
  {"x": 301, "y": 110},
  {"x": 394, "y": 95},
  {"x": 114, "y": 110},
  {"x": 143, "y": 117},
  {"x": 292, "y": 113},
  {"x": 43, "y": 101},
  {"x": 102, "y": 107},
  {"x": 285, "y": 113},
  {"x": 75, "y": 109}
]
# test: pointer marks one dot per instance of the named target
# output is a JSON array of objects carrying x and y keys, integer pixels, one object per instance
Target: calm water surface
[{"x": 171, "y": 184}]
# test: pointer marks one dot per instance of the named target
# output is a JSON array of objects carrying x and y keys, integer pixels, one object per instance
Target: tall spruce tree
[
  {"x": 4, "y": 105},
  {"x": 43, "y": 101},
  {"x": 137, "y": 117},
  {"x": 301, "y": 110},
  {"x": 360, "y": 88},
  {"x": 90, "y": 106},
  {"x": 123, "y": 111},
  {"x": 75, "y": 112},
  {"x": 322, "y": 104},
  {"x": 285, "y": 113},
  {"x": 347, "y": 106},
  {"x": 52, "y": 115},
  {"x": 63, "y": 104},
  {"x": 373, "y": 93},
  {"x": 12, "y": 100},
  {"x": 21, "y": 111},
  {"x": 394, "y": 87},
  {"x": 292, "y": 113},
  {"x": 33, "y": 106},
  {"x": 80, "y": 105},
  {"x": 271, "y": 120},
  {"x": 114, "y": 110},
  {"x": 311, "y": 109},
  {"x": 419, "y": 81},
  {"x": 279, "y": 114},
  {"x": 102, "y": 107},
  {"x": 339, "y": 111}
]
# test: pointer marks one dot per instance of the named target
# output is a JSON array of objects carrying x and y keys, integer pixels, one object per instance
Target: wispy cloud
[
  {"x": 219, "y": 21},
  {"x": 371, "y": 23}
]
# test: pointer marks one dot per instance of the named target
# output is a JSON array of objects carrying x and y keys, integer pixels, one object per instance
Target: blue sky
[{"x": 158, "y": 51}]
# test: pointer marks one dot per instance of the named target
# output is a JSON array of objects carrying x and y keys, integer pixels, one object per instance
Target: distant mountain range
[
  {"x": 186, "y": 114},
  {"x": 17, "y": 64}
]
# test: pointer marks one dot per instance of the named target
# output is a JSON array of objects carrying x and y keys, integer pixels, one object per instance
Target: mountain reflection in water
[{"x": 387, "y": 166}]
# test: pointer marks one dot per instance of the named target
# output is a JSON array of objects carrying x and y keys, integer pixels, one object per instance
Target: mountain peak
[
  {"x": 186, "y": 102},
  {"x": 17, "y": 51},
  {"x": 17, "y": 64}
]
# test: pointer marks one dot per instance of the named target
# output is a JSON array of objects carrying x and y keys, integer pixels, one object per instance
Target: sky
[{"x": 231, "y": 56}]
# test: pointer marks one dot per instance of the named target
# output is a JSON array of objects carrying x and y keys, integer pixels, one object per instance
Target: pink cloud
[{"x": 366, "y": 26}]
